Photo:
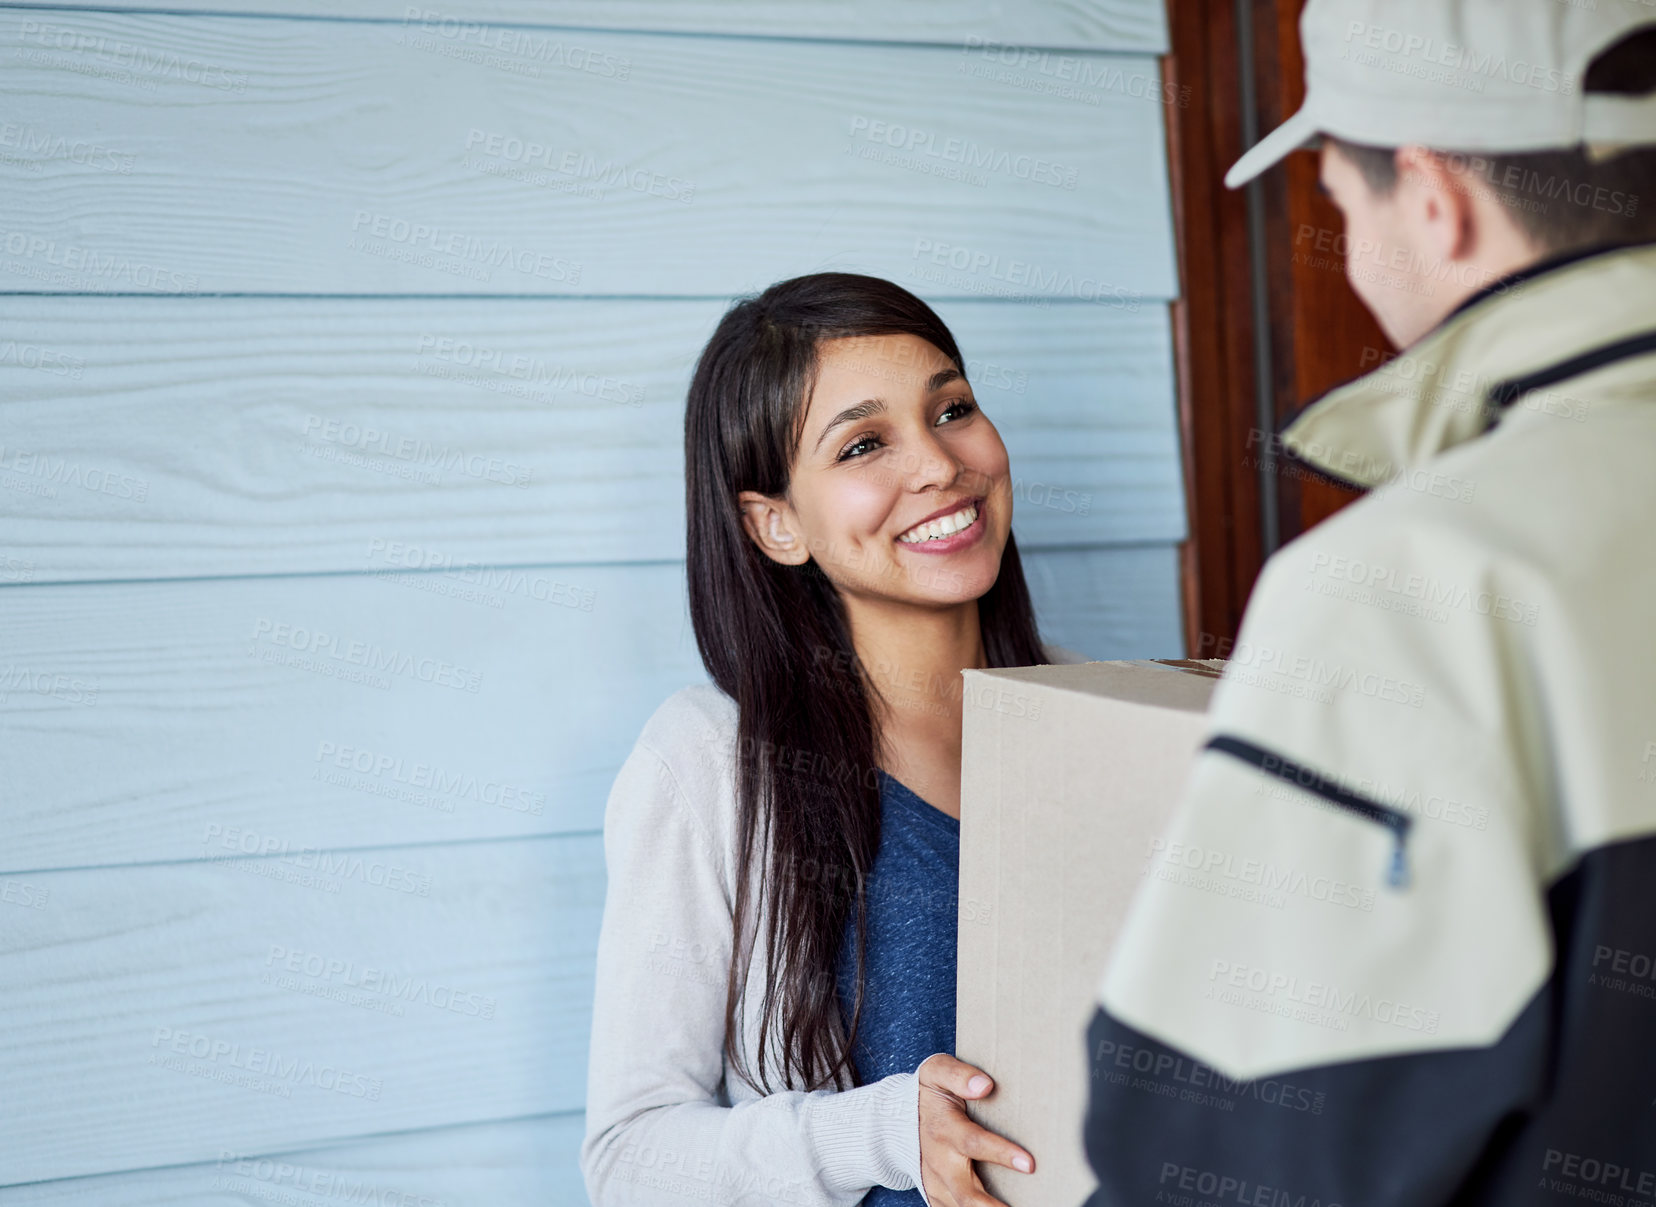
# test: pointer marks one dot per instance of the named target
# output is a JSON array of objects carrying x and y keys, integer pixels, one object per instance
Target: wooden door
[{"x": 1265, "y": 320}]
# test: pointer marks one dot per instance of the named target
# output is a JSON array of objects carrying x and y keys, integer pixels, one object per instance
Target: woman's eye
[
  {"x": 850, "y": 450},
  {"x": 959, "y": 408}
]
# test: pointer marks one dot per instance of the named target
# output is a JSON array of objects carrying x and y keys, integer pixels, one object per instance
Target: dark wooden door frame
[{"x": 1260, "y": 326}]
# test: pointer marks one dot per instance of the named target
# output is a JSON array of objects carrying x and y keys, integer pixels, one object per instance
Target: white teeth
[{"x": 936, "y": 529}]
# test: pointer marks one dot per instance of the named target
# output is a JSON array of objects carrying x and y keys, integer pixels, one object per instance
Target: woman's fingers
[
  {"x": 951, "y": 1141},
  {"x": 961, "y": 1186},
  {"x": 981, "y": 1144},
  {"x": 977, "y": 1142},
  {"x": 942, "y": 1071}
]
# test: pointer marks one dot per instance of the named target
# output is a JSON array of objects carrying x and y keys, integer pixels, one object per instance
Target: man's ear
[
  {"x": 1444, "y": 198},
  {"x": 774, "y": 528}
]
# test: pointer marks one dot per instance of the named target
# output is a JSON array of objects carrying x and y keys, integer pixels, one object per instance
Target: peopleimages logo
[
  {"x": 1356, "y": 466},
  {"x": 480, "y": 364},
  {"x": 424, "y": 775},
  {"x": 1021, "y": 277},
  {"x": 499, "y": 46},
  {"x": 71, "y": 689},
  {"x": 364, "y": 654},
  {"x": 370, "y": 441},
  {"x": 39, "y": 145},
  {"x": 72, "y": 264},
  {"x": 1278, "y": 669},
  {"x": 579, "y": 165},
  {"x": 1578, "y": 1169},
  {"x": 483, "y": 255},
  {"x": 341, "y": 973},
  {"x": 503, "y": 579},
  {"x": 964, "y": 152},
  {"x": 140, "y": 61},
  {"x": 1217, "y": 866},
  {"x": 45, "y": 360},
  {"x": 1462, "y": 390},
  {"x": 284, "y": 1179},
  {"x": 1463, "y": 60},
  {"x": 284, "y": 1071},
  {"x": 1629, "y": 971},
  {"x": 330, "y": 867},
  {"x": 1216, "y": 1187},
  {"x": 1283, "y": 990},
  {"x": 1072, "y": 77},
  {"x": 1424, "y": 588},
  {"x": 1160, "y": 1072},
  {"x": 46, "y": 473}
]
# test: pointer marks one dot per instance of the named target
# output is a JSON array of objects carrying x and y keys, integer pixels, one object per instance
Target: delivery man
[{"x": 1398, "y": 947}]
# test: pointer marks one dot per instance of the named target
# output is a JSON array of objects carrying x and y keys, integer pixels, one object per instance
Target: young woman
[{"x": 774, "y": 1013}]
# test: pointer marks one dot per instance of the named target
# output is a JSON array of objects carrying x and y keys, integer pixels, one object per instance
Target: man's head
[
  {"x": 1426, "y": 229},
  {"x": 1464, "y": 140}
]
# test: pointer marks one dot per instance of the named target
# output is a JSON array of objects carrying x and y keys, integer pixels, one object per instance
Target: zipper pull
[{"x": 1398, "y": 876}]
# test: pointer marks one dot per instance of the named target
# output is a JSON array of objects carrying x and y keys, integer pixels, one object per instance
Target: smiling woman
[
  {"x": 850, "y": 553},
  {"x": 914, "y": 468}
]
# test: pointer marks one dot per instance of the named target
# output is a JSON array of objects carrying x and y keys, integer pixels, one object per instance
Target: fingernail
[
  {"x": 978, "y": 1084},
  {"x": 1023, "y": 1163}
]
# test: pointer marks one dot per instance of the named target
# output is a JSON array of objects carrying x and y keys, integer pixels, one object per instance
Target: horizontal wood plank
[
  {"x": 146, "y": 719},
  {"x": 164, "y": 1014},
  {"x": 515, "y": 1163},
  {"x": 1136, "y": 25},
  {"x": 157, "y": 438},
  {"x": 184, "y": 154}
]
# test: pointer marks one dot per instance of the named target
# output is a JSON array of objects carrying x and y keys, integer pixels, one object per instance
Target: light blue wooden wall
[{"x": 341, "y": 511}]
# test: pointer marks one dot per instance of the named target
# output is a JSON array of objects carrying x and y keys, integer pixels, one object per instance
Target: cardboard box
[{"x": 1068, "y": 774}]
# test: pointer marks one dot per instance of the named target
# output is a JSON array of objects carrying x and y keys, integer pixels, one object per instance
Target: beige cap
[{"x": 1459, "y": 75}]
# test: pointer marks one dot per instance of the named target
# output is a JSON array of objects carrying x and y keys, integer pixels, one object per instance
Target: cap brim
[{"x": 1293, "y": 134}]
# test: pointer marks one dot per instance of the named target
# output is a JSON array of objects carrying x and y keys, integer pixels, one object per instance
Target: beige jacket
[{"x": 1405, "y": 953}]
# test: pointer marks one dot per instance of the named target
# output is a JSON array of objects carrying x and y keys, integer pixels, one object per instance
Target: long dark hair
[{"x": 775, "y": 639}]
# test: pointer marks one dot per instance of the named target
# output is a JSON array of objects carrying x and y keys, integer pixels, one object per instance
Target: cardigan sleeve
[{"x": 656, "y": 1133}]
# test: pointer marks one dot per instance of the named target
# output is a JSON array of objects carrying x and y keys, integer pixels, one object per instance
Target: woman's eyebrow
[
  {"x": 943, "y": 377},
  {"x": 862, "y": 410}
]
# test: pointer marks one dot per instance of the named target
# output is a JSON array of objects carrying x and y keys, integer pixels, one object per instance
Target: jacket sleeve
[
  {"x": 656, "y": 1133},
  {"x": 1331, "y": 987}
]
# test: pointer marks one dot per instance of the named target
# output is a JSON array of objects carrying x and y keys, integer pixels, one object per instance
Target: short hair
[{"x": 1561, "y": 199}]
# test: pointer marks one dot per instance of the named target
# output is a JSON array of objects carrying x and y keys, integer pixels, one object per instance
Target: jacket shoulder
[{"x": 1389, "y": 532}]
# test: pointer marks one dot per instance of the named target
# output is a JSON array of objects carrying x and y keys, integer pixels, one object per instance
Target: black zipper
[
  {"x": 1503, "y": 394},
  {"x": 1318, "y": 784}
]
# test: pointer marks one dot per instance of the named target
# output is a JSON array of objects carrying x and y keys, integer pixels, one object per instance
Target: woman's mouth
[{"x": 947, "y": 533}]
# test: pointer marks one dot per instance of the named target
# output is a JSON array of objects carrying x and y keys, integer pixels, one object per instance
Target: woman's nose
[{"x": 930, "y": 462}]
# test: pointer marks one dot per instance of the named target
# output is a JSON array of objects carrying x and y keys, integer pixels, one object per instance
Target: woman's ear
[{"x": 774, "y": 527}]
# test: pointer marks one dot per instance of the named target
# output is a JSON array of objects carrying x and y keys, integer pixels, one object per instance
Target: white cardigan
[{"x": 663, "y": 1125}]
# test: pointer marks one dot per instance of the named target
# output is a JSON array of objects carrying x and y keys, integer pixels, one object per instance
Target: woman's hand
[{"x": 950, "y": 1141}]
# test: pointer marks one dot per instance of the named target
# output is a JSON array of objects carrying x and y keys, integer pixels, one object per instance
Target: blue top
[{"x": 909, "y": 993}]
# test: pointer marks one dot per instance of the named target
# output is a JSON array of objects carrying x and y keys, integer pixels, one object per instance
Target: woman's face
[{"x": 901, "y": 489}]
